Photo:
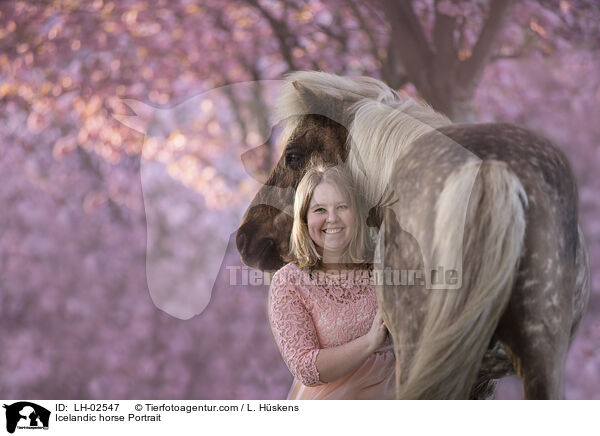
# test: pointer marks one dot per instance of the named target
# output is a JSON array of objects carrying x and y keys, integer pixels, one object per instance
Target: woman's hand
[
  {"x": 335, "y": 362},
  {"x": 378, "y": 333}
]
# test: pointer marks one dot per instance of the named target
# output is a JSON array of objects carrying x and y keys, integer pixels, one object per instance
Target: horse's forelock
[{"x": 290, "y": 105}]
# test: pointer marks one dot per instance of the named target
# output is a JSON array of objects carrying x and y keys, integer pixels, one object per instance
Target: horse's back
[
  {"x": 542, "y": 169},
  {"x": 553, "y": 246}
]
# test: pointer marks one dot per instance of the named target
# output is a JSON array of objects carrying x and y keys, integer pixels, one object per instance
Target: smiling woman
[{"x": 328, "y": 327}]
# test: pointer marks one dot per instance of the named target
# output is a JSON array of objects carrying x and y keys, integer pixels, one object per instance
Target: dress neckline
[{"x": 340, "y": 275}]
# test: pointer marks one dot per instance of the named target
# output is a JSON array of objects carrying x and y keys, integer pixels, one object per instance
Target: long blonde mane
[{"x": 382, "y": 124}]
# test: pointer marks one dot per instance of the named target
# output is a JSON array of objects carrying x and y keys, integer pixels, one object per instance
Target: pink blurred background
[{"x": 82, "y": 314}]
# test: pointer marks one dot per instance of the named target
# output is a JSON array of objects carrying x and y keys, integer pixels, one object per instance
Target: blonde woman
[{"x": 322, "y": 307}]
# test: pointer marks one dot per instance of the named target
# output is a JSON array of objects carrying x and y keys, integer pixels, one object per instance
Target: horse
[{"x": 483, "y": 215}]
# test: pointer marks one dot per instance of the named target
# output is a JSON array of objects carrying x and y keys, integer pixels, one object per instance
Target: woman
[{"x": 322, "y": 307}]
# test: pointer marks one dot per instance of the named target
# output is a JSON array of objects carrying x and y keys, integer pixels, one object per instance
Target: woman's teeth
[{"x": 331, "y": 231}]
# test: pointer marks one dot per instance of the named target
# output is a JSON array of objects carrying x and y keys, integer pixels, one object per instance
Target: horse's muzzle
[{"x": 259, "y": 253}]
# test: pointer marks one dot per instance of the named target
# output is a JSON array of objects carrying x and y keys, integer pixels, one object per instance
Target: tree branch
[
  {"x": 260, "y": 110},
  {"x": 341, "y": 38},
  {"x": 410, "y": 43},
  {"x": 236, "y": 105},
  {"x": 281, "y": 32},
  {"x": 443, "y": 40},
  {"x": 471, "y": 68},
  {"x": 514, "y": 55},
  {"x": 365, "y": 28},
  {"x": 89, "y": 164}
]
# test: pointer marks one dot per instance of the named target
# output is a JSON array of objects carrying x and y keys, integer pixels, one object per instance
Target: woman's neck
[
  {"x": 340, "y": 266},
  {"x": 337, "y": 262}
]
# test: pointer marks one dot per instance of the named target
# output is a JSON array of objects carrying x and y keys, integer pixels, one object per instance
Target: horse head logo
[
  {"x": 198, "y": 175},
  {"x": 26, "y": 414}
]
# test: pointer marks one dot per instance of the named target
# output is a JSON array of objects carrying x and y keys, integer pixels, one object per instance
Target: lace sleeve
[{"x": 294, "y": 331}]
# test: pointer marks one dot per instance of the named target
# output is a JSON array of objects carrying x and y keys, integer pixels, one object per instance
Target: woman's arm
[
  {"x": 293, "y": 330},
  {"x": 336, "y": 362}
]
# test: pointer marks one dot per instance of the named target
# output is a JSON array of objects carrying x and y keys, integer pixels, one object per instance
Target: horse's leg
[
  {"x": 484, "y": 390},
  {"x": 402, "y": 303},
  {"x": 496, "y": 365},
  {"x": 403, "y": 308},
  {"x": 537, "y": 324}
]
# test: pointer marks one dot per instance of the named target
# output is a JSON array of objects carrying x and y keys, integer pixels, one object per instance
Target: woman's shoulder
[
  {"x": 288, "y": 273},
  {"x": 290, "y": 280},
  {"x": 291, "y": 267}
]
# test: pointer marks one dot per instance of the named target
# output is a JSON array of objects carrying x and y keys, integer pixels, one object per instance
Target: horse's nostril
[{"x": 240, "y": 241}]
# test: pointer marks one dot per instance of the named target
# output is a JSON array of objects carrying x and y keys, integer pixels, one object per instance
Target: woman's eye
[
  {"x": 319, "y": 210},
  {"x": 343, "y": 206}
]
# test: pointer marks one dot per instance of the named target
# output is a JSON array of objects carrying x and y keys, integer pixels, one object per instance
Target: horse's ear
[
  {"x": 317, "y": 101},
  {"x": 307, "y": 94}
]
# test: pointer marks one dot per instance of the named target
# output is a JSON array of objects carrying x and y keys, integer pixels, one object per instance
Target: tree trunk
[
  {"x": 452, "y": 101},
  {"x": 445, "y": 81}
]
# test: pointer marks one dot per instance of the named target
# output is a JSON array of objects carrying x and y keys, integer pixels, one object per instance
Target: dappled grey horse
[{"x": 483, "y": 216}]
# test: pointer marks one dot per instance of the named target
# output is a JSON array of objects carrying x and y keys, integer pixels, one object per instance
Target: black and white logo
[{"x": 26, "y": 415}]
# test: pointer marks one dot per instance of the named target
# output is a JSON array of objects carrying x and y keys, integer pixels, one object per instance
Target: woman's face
[{"x": 330, "y": 219}]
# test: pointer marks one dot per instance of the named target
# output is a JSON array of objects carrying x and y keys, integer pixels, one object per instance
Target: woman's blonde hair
[{"x": 302, "y": 248}]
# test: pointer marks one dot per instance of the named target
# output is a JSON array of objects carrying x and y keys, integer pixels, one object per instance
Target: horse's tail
[{"x": 488, "y": 238}]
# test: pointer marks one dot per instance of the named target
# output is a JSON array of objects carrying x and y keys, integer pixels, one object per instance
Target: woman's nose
[{"x": 331, "y": 216}]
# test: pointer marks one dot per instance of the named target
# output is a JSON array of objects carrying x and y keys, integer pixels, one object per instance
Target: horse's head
[{"x": 318, "y": 133}]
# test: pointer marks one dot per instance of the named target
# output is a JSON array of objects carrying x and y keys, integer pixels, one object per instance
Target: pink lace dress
[{"x": 308, "y": 313}]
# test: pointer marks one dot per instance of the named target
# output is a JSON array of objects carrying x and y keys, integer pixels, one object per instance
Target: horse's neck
[
  {"x": 379, "y": 135},
  {"x": 373, "y": 173}
]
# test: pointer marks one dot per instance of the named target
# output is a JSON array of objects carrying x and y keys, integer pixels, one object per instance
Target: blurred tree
[
  {"x": 73, "y": 239},
  {"x": 441, "y": 47}
]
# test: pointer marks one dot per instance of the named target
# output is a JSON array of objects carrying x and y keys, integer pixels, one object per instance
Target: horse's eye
[{"x": 293, "y": 159}]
